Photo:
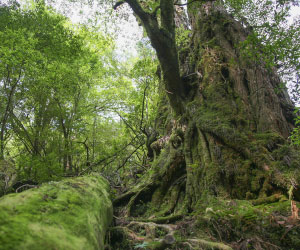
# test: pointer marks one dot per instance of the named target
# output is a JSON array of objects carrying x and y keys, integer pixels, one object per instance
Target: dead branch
[{"x": 26, "y": 185}]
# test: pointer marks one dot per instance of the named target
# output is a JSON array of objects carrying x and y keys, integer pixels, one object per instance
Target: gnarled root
[
  {"x": 196, "y": 243},
  {"x": 155, "y": 236}
]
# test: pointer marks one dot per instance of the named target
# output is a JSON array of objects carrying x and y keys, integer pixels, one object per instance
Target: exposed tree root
[
  {"x": 196, "y": 243},
  {"x": 123, "y": 199},
  {"x": 267, "y": 200},
  {"x": 150, "y": 226},
  {"x": 161, "y": 236},
  {"x": 131, "y": 198},
  {"x": 157, "y": 236},
  {"x": 257, "y": 243},
  {"x": 130, "y": 234},
  {"x": 163, "y": 220}
]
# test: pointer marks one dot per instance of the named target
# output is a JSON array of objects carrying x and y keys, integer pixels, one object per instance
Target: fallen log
[{"x": 71, "y": 214}]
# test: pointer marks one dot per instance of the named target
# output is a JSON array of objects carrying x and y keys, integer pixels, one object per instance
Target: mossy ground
[
  {"x": 217, "y": 223},
  {"x": 246, "y": 226},
  {"x": 71, "y": 214}
]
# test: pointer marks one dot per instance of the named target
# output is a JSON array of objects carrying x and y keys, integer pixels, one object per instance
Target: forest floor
[{"x": 226, "y": 224}]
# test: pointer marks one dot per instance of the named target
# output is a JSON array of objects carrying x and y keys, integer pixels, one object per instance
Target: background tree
[{"x": 59, "y": 86}]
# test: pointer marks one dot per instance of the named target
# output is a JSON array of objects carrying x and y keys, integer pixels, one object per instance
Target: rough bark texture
[
  {"x": 71, "y": 214},
  {"x": 235, "y": 106},
  {"x": 228, "y": 152},
  {"x": 237, "y": 120}
]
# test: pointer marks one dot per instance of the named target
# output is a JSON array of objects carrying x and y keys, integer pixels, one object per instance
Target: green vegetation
[
  {"x": 70, "y": 214},
  {"x": 67, "y": 106},
  {"x": 196, "y": 133}
]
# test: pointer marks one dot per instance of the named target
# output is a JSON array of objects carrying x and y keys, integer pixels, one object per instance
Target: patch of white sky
[
  {"x": 295, "y": 12},
  {"x": 121, "y": 24}
]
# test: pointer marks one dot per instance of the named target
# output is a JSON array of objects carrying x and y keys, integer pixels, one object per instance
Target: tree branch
[
  {"x": 143, "y": 107},
  {"x": 167, "y": 16},
  {"x": 128, "y": 157},
  {"x": 154, "y": 12},
  {"x": 107, "y": 158},
  {"x": 19, "y": 125},
  {"x": 163, "y": 41},
  {"x": 127, "y": 124},
  {"x": 118, "y": 4},
  {"x": 138, "y": 10}
]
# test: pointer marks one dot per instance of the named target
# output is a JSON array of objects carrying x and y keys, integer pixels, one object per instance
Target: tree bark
[
  {"x": 229, "y": 146},
  {"x": 236, "y": 119},
  {"x": 162, "y": 38}
]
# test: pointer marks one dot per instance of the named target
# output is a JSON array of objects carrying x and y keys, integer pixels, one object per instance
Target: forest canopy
[{"x": 63, "y": 93}]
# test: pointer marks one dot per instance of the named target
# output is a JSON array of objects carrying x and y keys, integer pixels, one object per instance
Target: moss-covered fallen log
[{"x": 71, "y": 214}]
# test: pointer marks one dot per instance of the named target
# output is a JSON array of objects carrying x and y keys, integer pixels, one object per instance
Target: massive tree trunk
[
  {"x": 71, "y": 214},
  {"x": 236, "y": 116},
  {"x": 230, "y": 141}
]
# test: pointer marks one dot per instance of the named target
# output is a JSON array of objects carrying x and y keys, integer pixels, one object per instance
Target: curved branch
[
  {"x": 163, "y": 41},
  {"x": 118, "y": 4}
]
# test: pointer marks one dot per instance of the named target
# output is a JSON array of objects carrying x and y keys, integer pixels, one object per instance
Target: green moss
[
  {"x": 71, "y": 214},
  {"x": 266, "y": 200},
  {"x": 237, "y": 220}
]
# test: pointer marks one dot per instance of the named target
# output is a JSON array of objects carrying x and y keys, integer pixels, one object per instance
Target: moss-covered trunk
[
  {"x": 231, "y": 142},
  {"x": 72, "y": 214},
  {"x": 237, "y": 117},
  {"x": 232, "y": 139}
]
